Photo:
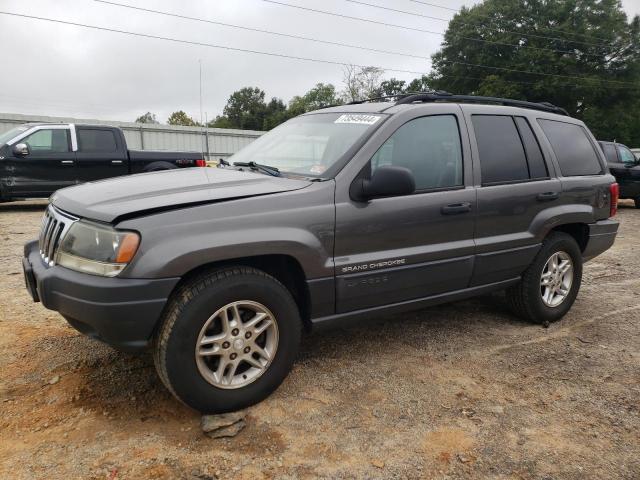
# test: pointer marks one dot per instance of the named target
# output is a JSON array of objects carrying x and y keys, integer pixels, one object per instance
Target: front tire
[
  {"x": 227, "y": 340},
  {"x": 551, "y": 283}
]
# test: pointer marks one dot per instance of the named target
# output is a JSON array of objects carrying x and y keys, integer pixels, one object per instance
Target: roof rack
[{"x": 441, "y": 96}]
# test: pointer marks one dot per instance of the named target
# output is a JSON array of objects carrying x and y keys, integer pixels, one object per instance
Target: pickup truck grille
[{"x": 55, "y": 225}]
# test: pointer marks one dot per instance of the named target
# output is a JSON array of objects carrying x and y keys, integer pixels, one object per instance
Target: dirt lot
[{"x": 458, "y": 391}]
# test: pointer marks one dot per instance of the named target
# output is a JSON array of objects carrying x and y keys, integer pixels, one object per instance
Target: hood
[{"x": 134, "y": 195}]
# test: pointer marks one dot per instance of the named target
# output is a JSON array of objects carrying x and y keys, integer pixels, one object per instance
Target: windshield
[
  {"x": 14, "y": 132},
  {"x": 308, "y": 145}
]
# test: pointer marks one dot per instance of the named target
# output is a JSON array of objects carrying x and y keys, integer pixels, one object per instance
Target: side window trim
[
  {"x": 70, "y": 127},
  {"x": 368, "y": 166},
  {"x": 526, "y": 153}
]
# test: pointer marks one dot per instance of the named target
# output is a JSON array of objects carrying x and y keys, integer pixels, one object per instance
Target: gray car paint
[{"x": 189, "y": 221}]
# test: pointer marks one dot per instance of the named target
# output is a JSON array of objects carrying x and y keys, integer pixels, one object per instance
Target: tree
[
  {"x": 320, "y": 96},
  {"x": 589, "y": 39},
  {"x": 422, "y": 84},
  {"x": 275, "y": 113},
  {"x": 246, "y": 108},
  {"x": 181, "y": 118},
  {"x": 391, "y": 87},
  {"x": 361, "y": 82},
  {"x": 147, "y": 118}
]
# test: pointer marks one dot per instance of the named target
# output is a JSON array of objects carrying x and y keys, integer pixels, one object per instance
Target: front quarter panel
[{"x": 298, "y": 223}]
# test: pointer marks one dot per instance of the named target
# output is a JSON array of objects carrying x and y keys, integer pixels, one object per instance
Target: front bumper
[
  {"x": 602, "y": 234},
  {"x": 122, "y": 312}
]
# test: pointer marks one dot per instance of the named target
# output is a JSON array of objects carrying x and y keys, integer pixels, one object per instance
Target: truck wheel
[
  {"x": 227, "y": 339},
  {"x": 550, "y": 284}
]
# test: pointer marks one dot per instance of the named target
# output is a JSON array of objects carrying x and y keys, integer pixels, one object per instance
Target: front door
[
  {"x": 48, "y": 166},
  {"x": 409, "y": 247}
]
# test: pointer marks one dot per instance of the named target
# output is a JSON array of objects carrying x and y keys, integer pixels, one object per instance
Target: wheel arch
[
  {"x": 284, "y": 268},
  {"x": 579, "y": 232},
  {"x": 159, "y": 166}
]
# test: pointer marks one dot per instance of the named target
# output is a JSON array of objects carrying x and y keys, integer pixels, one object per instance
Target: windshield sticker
[{"x": 358, "y": 119}]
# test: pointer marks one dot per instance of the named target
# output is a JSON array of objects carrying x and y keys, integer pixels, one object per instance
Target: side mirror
[
  {"x": 21, "y": 150},
  {"x": 387, "y": 181}
]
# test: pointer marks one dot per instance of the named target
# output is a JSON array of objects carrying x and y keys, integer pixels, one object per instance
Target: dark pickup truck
[
  {"x": 623, "y": 165},
  {"x": 36, "y": 159}
]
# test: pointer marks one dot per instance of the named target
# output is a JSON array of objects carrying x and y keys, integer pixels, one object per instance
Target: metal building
[{"x": 213, "y": 143}]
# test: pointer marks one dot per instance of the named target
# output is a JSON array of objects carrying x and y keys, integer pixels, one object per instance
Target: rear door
[
  {"x": 101, "y": 153},
  {"x": 514, "y": 186},
  {"x": 409, "y": 247},
  {"x": 49, "y": 165}
]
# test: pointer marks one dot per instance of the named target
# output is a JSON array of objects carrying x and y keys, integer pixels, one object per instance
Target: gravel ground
[{"x": 458, "y": 391}]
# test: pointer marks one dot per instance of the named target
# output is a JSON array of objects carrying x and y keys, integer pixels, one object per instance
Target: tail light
[
  {"x": 614, "y": 194},
  {"x": 200, "y": 163}
]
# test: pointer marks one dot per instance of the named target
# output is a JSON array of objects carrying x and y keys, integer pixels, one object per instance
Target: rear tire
[
  {"x": 250, "y": 363},
  {"x": 539, "y": 298}
]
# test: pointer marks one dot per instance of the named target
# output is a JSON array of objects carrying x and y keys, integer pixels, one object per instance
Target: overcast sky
[{"x": 54, "y": 69}]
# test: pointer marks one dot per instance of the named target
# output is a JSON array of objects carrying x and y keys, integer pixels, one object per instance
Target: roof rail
[
  {"x": 397, "y": 95},
  {"x": 440, "y": 96}
]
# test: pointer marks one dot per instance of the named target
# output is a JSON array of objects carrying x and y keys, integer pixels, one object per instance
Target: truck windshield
[
  {"x": 310, "y": 144},
  {"x": 14, "y": 132}
]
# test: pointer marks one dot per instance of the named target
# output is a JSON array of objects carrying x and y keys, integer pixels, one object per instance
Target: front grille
[{"x": 55, "y": 225}]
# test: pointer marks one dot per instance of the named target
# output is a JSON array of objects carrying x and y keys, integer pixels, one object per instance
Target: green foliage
[
  {"x": 604, "y": 48},
  {"x": 147, "y": 118},
  {"x": 320, "y": 96},
  {"x": 181, "y": 118},
  {"x": 392, "y": 87},
  {"x": 246, "y": 108}
]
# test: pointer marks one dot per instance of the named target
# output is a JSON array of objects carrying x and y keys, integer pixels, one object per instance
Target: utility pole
[{"x": 201, "y": 119}]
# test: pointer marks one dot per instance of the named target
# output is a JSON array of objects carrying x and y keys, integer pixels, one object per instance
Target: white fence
[{"x": 213, "y": 143}]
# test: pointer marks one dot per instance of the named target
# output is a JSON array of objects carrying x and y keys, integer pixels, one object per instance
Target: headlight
[{"x": 97, "y": 249}]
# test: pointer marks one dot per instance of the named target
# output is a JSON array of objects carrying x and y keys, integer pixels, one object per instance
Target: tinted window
[
  {"x": 48, "y": 141},
  {"x": 502, "y": 157},
  {"x": 626, "y": 156},
  {"x": 96, "y": 140},
  {"x": 429, "y": 147},
  {"x": 535, "y": 159},
  {"x": 609, "y": 152},
  {"x": 572, "y": 147}
]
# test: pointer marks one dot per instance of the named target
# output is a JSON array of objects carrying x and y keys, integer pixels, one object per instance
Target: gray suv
[{"x": 337, "y": 215}]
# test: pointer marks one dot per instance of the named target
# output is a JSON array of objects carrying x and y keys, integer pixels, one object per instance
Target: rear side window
[
  {"x": 96, "y": 141},
  {"x": 429, "y": 147},
  {"x": 572, "y": 147},
  {"x": 502, "y": 156},
  {"x": 610, "y": 152},
  {"x": 535, "y": 159}
]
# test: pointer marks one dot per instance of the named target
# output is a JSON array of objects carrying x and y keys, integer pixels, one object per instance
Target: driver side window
[
  {"x": 48, "y": 141},
  {"x": 626, "y": 156},
  {"x": 429, "y": 147}
]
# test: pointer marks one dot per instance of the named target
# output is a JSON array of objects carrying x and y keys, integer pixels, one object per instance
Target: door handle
[
  {"x": 66, "y": 162},
  {"x": 546, "y": 196},
  {"x": 456, "y": 208},
  {"x": 116, "y": 162}
]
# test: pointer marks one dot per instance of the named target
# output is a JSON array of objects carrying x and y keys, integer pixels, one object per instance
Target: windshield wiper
[{"x": 273, "y": 171}]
